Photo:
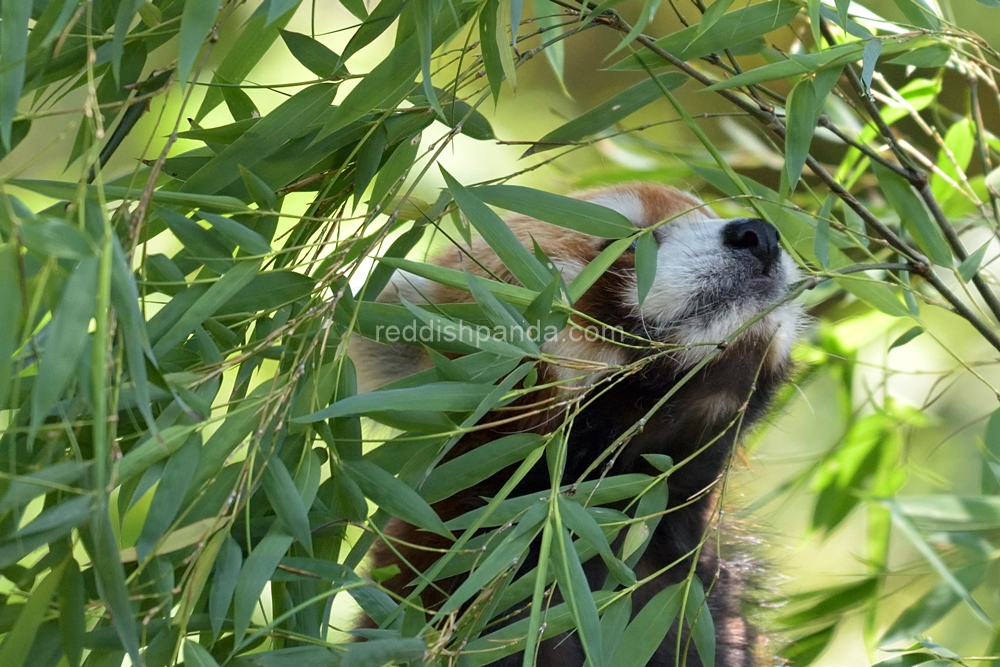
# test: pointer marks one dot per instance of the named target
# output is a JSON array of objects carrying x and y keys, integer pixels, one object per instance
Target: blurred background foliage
[{"x": 191, "y": 195}]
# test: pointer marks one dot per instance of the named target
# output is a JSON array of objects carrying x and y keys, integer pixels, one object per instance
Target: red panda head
[{"x": 713, "y": 277}]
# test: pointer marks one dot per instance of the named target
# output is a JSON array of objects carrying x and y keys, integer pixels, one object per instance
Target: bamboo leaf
[
  {"x": 525, "y": 267},
  {"x": 913, "y": 215},
  {"x": 646, "y": 251},
  {"x": 11, "y": 313},
  {"x": 436, "y": 397},
  {"x": 287, "y": 502},
  {"x": 226, "y": 574},
  {"x": 154, "y": 448},
  {"x": 732, "y": 28},
  {"x": 481, "y": 463},
  {"x": 207, "y": 304},
  {"x": 609, "y": 112},
  {"x": 195, "y": 655},
  {"x": 394, "y": 496},
  {"x": 14, "y": 17},
  {"x": 196, "y": 23},
  {"x": 237, "y": 234},
  {"x": 313, "y": 55},
  {"x": 257, "y": 570},
  {"x": 17, "y": 643},
  {"x": 253, "y": 42},
  {"x": 288, "y": 120},
  {"x": 647, "y": 630},
  {"x": 67, "y": 340},
  {"x": 576, "y": 214},
  {"x": 576, "y": 591},
  {"x": 875, "y": 294},
  {"x": 72, "y": 619},
  {"x": 384, "y": 652}
]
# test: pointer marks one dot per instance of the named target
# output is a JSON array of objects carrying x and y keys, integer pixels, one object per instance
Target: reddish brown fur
[{"x": 738, "y": 382}]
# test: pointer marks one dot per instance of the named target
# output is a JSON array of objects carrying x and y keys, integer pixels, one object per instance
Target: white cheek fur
[{"x": 691, "y": 261}]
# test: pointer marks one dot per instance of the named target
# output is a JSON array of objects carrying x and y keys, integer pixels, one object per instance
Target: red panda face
[{"x": 712, "y": 277}]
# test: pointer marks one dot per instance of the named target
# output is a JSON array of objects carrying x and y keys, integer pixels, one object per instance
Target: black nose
[{"x": 756, "y": 236}]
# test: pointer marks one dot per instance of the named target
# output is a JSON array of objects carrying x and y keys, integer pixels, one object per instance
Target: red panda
[{"x": 713, "y": 279}]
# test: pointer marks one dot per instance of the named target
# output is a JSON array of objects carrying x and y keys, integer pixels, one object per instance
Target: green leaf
[
  {"x": 17, "y": 643},
  {"x": 237, "y": 233},
  {"x": 436, "y": 397},
  {"x": 699, "y": 619},
  {"x": 504, "y": 44},
  {"x": 932, "y": 606},
  {"x": 286, "y": 501},
  {"x": 646, "y": 251},
  {"x": 67, "y": 340},
  {"x": 614, "y": 620},
  {"x": 380, "y": 652},
  {"x": 576, "y": 591},
  {"x": 649, "y": 627},
  {"x": 195, "y": 655},
  {"x": 582, "y": 216},
  {"x": 313, "y": 55},
  {"x": 525, "y": 267},
  {"x": 393, "y": 171},
  {"x": 10, "y": 313},
  {"x": 919, "y": 13},
  {"x": 803, "y": 109},
  {"x": 481, "y": 463},
  {"x": 875, "y": 294},
  {"x": 949, "y": 512},
  {"x": 254, "y": 40},
  {"x": 378, "y": 21},
  {"x": 225, "y": 576},
  {"x": 127, "y": 9},
  {"x": 368, "y": 160},
  {"x": 873, "y": 49},
  {"x": 22, "y": 489},
  {"x": 154, "y": 448},
  {"x": 799, "y": 65},
  {"x": 257, "y": 570},
  {"x": 647, "y": 14},
  {"x": 14, "y": 18},
  {"x": 906, "y": 337},
  {"x": 712, "y": 16},
  {"x": 913, "y": 215},
  {"x": 733, "y": 28},
  {"x": 69, "y": 191},
  {"x": 385, "y": 86},
  {"x": 935, "y": 55},
  {"x": 110, "y": 576},
  {"x": 290, "y": 119},
  {"x": 278, "y": 8},
  {"x": 596, "y": 268},
  {"x": 902, "y": 513},
  {"x": 512, "y": 294},
  {"x": 394, "y": 496},
  {"x": 593, "y": 493},
  {"x": 51, "y": 237},
  {"x": 489, "y": 28},
  {"x": 207, "y": 304},
  {"x": 506, "y": 556},
  {"x": 609, "y": 112},
  {"x": 196, "y": 23},
  {"x": 72, "y": 617},
  {"x": 581, "y": 522},
  {"x": 804, "y": 650},
  {"x": 169, "y": 495},
  {"x": 240, "y": 106}
]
